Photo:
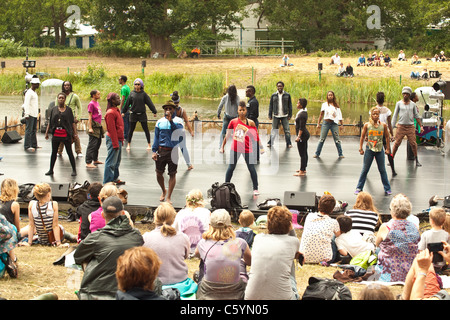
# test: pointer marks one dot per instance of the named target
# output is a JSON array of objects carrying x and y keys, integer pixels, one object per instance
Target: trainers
[
  {"x": 388, "y": 193},
  {"x": 255, "y": 192},
  {"x": 316, "y": 156},
  {"x": 31, "y": 149},
  {"x": 79, "y": 155},
  {"x": 357, "y": 191}
]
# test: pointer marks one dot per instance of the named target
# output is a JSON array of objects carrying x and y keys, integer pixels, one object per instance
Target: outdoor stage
[{"x": 275, "y": 172}]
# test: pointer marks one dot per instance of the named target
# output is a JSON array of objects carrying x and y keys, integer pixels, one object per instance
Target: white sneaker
[
  {"x": 255, "y": 192},
  {"x": 79, "y": 155}
]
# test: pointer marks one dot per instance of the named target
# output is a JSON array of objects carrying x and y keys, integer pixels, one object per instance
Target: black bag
[
  {"x": 224, "y": 196},
  {"x": 248, "y": 236},
  {"x": 269, "y": 203},
  {"x": 26, "y": 192},
  {"x": 446, "y": 203},
  {"x": 326, "y": 289},
  {"x": 78, "y": 193}
]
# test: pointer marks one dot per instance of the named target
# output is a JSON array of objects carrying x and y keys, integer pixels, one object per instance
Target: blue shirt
[{"x": 164, "y": 133}]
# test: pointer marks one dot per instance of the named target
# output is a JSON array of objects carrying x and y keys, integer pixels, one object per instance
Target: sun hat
[{"x": 169, "y": 103}]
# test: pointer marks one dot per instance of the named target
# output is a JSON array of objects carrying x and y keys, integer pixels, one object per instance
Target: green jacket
[{"x": 100, "y": 250}]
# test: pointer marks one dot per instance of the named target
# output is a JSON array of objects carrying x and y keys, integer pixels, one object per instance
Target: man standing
[
  {"x": 165, "y": 150},
  {"x": 99, "y": 251},
  {"x": 406, "y": 111},
  {"x": 31, "y": 111},
  {"x": 280, "y": 110},
  {"x": 73, "y": 102},
  {"x": 253, "y": 111},
  {"x": 114, "y": 139},
  {"x": 124, "y": 93}
]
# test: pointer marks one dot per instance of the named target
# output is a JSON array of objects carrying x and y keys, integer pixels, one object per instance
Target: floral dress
[
  {"x": 8, "y": 235},
  {"x": 397, "y": 251}
]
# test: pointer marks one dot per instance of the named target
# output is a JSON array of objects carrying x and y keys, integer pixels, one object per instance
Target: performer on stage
[
  {"x": 302, "y": 135},
  {"x": 165, "y": 149},
  {"x": 244, "y": 131},
  {"x": 181, "y": 113},
  {"x": 332, "y": 119},
  {"x": 376, "y": 131}
]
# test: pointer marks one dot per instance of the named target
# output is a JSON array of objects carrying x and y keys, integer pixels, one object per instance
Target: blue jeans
[
  {"x": 226, "y": 122},
  {"x": 327, "y": 126},
  {"x": 112, "y": 161},
  {"x": 276, "y": 124},
  {"x": 30, "y": 133},
  {"x": 249, "y": 160},
  {"x": 369, "y": 155}
]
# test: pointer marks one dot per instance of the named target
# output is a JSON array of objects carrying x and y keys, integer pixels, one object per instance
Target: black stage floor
[{"x": 275, "y": 172}]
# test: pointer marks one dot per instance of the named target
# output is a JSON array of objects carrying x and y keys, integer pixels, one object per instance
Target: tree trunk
[{"x": 161, "y": 45}]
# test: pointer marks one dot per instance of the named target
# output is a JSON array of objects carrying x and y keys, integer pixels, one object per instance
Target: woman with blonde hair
[
  {"x": 172, "y": 247},
  {"x": 364, "y": 214},
  {"x": 9, "y": 206},
  {"x": 221, "y": 253}
]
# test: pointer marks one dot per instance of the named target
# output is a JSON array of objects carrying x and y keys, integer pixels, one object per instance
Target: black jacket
[
  {"x": 136, "y": 102},
  {"x": 287, "y": 105},
  {"x": 83, "y": 212}
]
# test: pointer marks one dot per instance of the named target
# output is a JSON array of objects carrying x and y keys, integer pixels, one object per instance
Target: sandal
[{"x": 10, "y": 266}]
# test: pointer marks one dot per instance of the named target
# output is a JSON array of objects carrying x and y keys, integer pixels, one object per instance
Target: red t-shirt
[{"x": 243, "y": 136}]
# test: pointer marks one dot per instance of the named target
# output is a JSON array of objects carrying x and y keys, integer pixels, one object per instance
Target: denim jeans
[
  {"x": 226, "y": 122},
  {"x": 112, "y": 161},
  {"x": 276, "y": 124},
  {"x": 327, "y": 126},
  {"x": 249, "y": 160},
  {"x": 369, "y": 155},
  {"x": 30, "y": 133}
]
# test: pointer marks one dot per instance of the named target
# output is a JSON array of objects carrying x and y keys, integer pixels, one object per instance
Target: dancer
[
  {"x": 163, "y": 149},
  {"x": 124, "y": 93},
  {"x": 181, "y": 113},
  {"x": 231, "y": 102},
  {"x": 302, "y": 135},
  {"x": 135, "y": 104},
  {"x": 31, "y": 111},
  {"x": 62, "y": 126},
  {"x": 243, "y": 129},
  {"x": 332, "y": 119},
  {"x": 280, "y": 110},
  {"x": 406, "y": 112},
  {"x": 95, "y": 130},
  {"x": 375, "y": 131},
  {"x": 385, "y": 117},
  {"x": 253, "y": 111}
]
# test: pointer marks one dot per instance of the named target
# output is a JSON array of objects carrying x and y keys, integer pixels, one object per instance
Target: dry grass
[{"x": 38, "y": 275}]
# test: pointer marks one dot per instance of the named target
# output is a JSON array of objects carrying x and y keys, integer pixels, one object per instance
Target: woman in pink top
[{"x": 95, "y": 130}]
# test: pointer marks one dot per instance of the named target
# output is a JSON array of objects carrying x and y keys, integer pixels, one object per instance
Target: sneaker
[
  {"x": 79, "y": 155},
  {"x": 119, "y": 182},
  {"x": 316, "y": 156},
  {"x": 388, "y": 193},
  {"x": 31, "y": 149},
  {"x": 341, "y": 157},
  {"x": 256, "y": 193},
  {"x": 357, "y": 191},
  {"x": 59, "y": 154}
]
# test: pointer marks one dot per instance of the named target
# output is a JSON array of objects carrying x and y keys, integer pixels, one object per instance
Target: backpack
[
  {"x": 224, "y": 196},
  {"x": 326, "y": 289},
  {"x": 26, "y": 192},
  {"x": 78, "y": 193},
  {"x": 248, "y": 236}
]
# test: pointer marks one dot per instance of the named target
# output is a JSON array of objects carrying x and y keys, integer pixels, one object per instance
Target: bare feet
[
  {"x": 163, "y": 196},
  {"x": 91, "y": 165},
  {"x": 190, "y": 167},
  {"x": 98, "y": 162},
  {"x": 129, "y": 146},
  {"x": 149, "y": 147}
]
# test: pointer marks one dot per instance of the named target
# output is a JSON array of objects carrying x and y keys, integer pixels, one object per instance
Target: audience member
[
  {"x": 319, "y": 230},
  {"x": 350, "y": 242},
  {"x": 349, "y": 70},
  {"x": 86, "y": 208},
  {"x": 274, "y": 253},
  {"x": 341, "y": 71},
  {"x": 442, "y": 57},
  {"x": 361, "y": 61},
  {"x": 387, "y": 61},
  {"x": 137, "y": 269},
  {"x": 336, "y": 59},
  {"x": 364, "y": 214},
  {"x": 377, "y": 60},
  {"x": 8, "y": 241},
  {"x": 9, "y": 207},
  {"x": 401, "y": 56},
  {"x": 376, "y": 291},
  {"x": 397, "y": 240},
  {"x": 221, "y": 253},
  {"x": 246, "y": 220},
  {"x": 172, "y": 247},
  {"x": 435, "y": 235},
  {"x": 415, "y": 59},
  {"x": 99, "y": 251}
]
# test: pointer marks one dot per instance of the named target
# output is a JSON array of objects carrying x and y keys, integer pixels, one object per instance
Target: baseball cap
[
  {"x": 112, "y": 205},
  {"x": 220, "y": 218}
]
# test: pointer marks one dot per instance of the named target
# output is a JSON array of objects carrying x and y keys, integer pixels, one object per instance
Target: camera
[{"x": 435, "y": 247}]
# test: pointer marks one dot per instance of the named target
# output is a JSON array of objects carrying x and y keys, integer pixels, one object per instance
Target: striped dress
[
  {"x": 363, "y": 221},
  {"x": 47, "y": 215}
]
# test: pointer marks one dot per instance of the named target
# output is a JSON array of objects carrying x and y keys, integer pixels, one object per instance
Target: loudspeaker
[
  {"x": 301, "y": 201},
  {"x": 60, "y": 191},
  {"x": 11, "y": 137},
  {"x": 320, "y": 66}
]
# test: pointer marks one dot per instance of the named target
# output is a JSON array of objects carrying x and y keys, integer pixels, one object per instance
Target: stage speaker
[
  {"x": 60, "y": 191},
  {"x": 11, "y": 137},
  {"x": 301, "y": 201},
  {"x": 320, "y": 66}
]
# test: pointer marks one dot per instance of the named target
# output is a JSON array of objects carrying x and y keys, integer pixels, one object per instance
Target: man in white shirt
[
  {"x": 336, "y": 59},
  {"x": 31, "y": 111}
]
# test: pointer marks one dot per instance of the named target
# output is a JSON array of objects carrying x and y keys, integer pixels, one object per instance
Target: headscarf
[
  {"x": 109, "y": 98},
  {"x": 140, "y": 81}
]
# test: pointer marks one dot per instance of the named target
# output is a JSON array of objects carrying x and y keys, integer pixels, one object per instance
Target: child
[
  {"x": 435, "y": 235},
  {"x": 246, "y": 219},
  {"x": 350, "y": 242}
]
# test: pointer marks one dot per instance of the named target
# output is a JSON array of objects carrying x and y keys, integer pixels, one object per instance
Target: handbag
[{"x": 50, "y": 234}]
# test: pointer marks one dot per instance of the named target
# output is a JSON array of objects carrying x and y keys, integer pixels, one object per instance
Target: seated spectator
[
  {"x": 172, "y": 247},
  {"x": 221, "y": 253},
  {"x": 401, "y": 56},
  {"x": 341, "y": 71},
  {"x": 8, "y": 241},
  {"x": 381, "y": 55},
  {"x": 415, "y": 75},
  {"x": 286, "y": 61},
  {"x": 361, "y": 60},
  {"x": 436, "y": 234},
  {"x": 435, "y": 58},
  {"x": 387, "y": 61},
  {"x": 349, "y": 70},
  {"x": 350, "y": 242},
  {"x": 43, "y": 217},
  {"x": 86, "y": 208},
  {"x": 194, "y": 218},
  {"x": 318, "y": 232},
  {"x": 397, "y": 241},
  {"x": 9, "y": 207},
  {"x": 442, "y": 57},
  {"x": 96, "y": 218},
  {"x": 336, "y": 59},
  {"x": 137, "y": 269},
  {"x": 415, "y": 59},
  {"x": 371, "y": 60},
  {"x": 364, "y": 214},
  {"x": 246, "y": 220},
  {"x": 377, "y": 61},
  {"x": 376, "y": 291},
  {"x": 424, "y": 74},
  {"x": 99, "y": 251},
  {"x": 273, "y": 254}
]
